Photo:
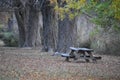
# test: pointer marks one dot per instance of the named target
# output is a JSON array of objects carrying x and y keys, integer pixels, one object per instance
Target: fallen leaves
[{"x": 46, "y": 67}]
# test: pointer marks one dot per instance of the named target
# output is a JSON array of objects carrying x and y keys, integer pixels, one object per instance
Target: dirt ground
[{"x": 32, "y": 64}]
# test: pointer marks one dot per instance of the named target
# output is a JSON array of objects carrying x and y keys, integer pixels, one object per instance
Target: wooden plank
[
  {"x": 85, "y": 49},
  {"x": 80, "y": 49},
  {"x": 73, "y": 48},
  {"x": 65, "y": 55}
]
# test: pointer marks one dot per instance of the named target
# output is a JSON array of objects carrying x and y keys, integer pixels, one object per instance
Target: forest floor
[{"x": 32, "y": 64}]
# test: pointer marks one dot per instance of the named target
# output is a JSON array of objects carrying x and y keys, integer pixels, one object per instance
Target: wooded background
[{"x": 37, "y": 23}]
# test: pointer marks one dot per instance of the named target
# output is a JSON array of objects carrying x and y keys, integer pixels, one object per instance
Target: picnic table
[{"x": 77, "y": 53}]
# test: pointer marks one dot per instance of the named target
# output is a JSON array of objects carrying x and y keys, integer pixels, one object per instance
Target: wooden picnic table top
[{"x": 80, "y": 49}]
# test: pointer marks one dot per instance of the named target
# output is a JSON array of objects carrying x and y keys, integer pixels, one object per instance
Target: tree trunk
[
  {"x": 10, "y": 24},
  {"x": 67, "y": 32},
  {"x": 50, "y": 28},
  {"x": 29, "y": 28},
  {"x": 67, "y": 35},
  {"x": 21, "y": 27}
]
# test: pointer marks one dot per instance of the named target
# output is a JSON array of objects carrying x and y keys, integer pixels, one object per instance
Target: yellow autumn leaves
[
  {"x": 53, "y": 1},
  {"x": 69, "y": 7},
  {"x": 116, "y": 8},
  {"x": 73, "y": 7}
]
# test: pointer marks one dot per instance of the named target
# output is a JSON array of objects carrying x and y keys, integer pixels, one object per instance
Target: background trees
[
  {"x": 27, "y": 15},
  {"x": 28, "y": 21},
  {"x": 52, "y": 34},
  {"x": 52, "y": 23},
  {"x": 102, "y": 12},
  {"x": 99, "y": 24}
]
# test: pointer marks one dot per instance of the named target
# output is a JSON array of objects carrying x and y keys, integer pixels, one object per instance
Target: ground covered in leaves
[{"x": 32, "y": 64}]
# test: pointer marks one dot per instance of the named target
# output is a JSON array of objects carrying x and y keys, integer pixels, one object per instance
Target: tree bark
[
  {"x": 21, "y": 28},
  {"x": 29, "y": 28},
  {"x": 67, "y": 31},
  {"x": 50, "y": 28}
]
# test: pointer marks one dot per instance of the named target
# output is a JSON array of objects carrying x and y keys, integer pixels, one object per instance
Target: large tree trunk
[
  {"x": 67, "y": 34},
  {"x": 50, "y": 28},
  {"x": 29, "y": 28},
  {"x": 59, "y": 35},
  {"x": 21, "y": 28}
]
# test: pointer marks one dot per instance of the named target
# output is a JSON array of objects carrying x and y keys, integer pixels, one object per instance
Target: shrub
[{"x": 9, "y": 39}]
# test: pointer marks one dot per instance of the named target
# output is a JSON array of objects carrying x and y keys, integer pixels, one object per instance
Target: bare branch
[
  {"x": 11, "y": 5},
  {"x": 24, "y": 2}
]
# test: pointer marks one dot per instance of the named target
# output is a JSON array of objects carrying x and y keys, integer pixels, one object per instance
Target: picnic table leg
[
  {"x": 85, "y": 56},
  {"x": 67, "y": 59},
  {"x": 92, "y": 57},
  {"x": 83, "y": 53},
  {"x": 87, "y": 60},
  {"x": 71, "y": 55},
  {"x": 76, "y": 56}
]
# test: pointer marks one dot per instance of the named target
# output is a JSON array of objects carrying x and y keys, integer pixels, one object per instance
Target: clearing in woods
[{"x": 32, "y": 64}]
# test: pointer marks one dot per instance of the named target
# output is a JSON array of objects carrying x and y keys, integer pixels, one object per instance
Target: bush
[{"x": 9, "y": 39}]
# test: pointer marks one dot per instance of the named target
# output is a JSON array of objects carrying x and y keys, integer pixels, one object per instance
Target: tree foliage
[{"x": 102, "y": 12}]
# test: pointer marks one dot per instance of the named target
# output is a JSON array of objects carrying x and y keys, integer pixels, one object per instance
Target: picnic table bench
[{"x": 84, "y": 53}]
